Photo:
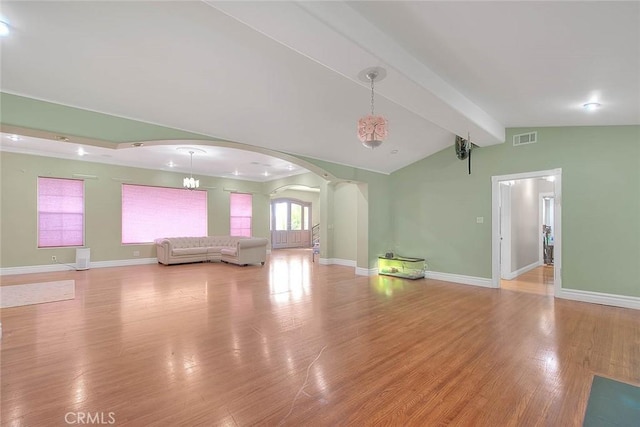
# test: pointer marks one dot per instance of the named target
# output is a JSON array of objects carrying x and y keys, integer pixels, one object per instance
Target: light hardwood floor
[
  {"x": 537, "y": 281},
  {"x": 298, "y": 343}
]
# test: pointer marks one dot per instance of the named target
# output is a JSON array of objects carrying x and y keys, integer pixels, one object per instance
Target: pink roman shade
[
  {"x": 60, "y": 212},
  {"x": 241, "y": 211},
  {"x": 149, "y": 213}
]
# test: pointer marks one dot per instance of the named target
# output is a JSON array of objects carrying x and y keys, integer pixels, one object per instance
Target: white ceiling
[
  {"x": 284, "y": 75},
  {"x": 173, "y": 156}
]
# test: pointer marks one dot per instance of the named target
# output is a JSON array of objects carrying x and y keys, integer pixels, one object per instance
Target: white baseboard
[
  {"x": 522, "y": 270},
  {"x": 124, "y": 262},
  {"x": 67, "y": 267},
  {"x": 337, "y": 261},
  {"x": 459, "y": 278},
  {"x": 623, "y": 301},
  {"x": 360, "y": 271},
  {"x": 35, "y": 269}
]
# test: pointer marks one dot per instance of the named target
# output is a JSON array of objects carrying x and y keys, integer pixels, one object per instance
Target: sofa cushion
[
  {"x": 229, "y": 251},
  {"x": 189, "y": 251},
  {"x": 224, "y": 241},
  {"x": 185, "y": 242},
  {"x": 214, "y": 249}
]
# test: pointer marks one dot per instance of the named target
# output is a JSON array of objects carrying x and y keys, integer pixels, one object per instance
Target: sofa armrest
[
  {"x": 163, "y": 250},
  {"x": 252, "y": 242}
]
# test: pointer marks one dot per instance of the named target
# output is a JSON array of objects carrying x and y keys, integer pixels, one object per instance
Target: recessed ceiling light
[
  {"x": 4, "y": 29},
  {"x": 236, "y": 173},
  {"x": 61, "y": 138},
  {"x": 188, "y": 150},
  {"x": 14, "y": 138},
  {"x": 265, "y": 173},
  {"x": 394, "y": 151},
  {"x": 590, "y": 106},
  {"x": 81, "y": 152},
  {"x": 171, "y": 164}
]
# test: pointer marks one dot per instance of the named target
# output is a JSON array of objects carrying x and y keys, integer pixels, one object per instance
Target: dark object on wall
[
  {"x": 463, "y": 149},
  {"x": 388, "y": 255}
]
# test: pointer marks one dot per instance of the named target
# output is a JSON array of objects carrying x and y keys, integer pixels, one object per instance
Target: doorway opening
[{"x": 526, "y": 231}]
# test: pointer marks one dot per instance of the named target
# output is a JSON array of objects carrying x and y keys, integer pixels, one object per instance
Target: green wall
[
  {"x": 69, "y": 121},
  {"x": 344, "y": 228},
  {"x": 102, "y": 207},
  {"x": 375, "y": 192},
  {"x": 426, "y": 209},
  {"x": 435, "y": 204}
]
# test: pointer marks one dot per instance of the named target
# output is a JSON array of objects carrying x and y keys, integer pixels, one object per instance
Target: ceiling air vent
[{"x": 525, "y": 138}]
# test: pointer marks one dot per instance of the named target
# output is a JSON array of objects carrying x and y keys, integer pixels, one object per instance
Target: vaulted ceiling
[{"x": 287, "y": 76}]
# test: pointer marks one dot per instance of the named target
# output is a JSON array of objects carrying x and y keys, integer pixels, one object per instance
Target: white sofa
[{"x": 235, "y": 250}]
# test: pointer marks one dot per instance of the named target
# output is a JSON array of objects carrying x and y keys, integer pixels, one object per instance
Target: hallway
[{"x": 537, "y": 281}]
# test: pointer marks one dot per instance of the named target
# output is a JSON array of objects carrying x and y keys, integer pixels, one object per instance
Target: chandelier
[
  {"x": 372, "y": 129},
  {"x": 189, "y": 182}
]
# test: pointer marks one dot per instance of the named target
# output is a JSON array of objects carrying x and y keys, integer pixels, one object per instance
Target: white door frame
[
  {"x": 557, "y": 220},
  {"x": 505, "y": 230}
]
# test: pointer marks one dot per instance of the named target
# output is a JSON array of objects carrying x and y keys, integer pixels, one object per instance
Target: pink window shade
[
  {"x": 149, "y": 213},
  {"x": 241, "y": 212},
  {"x": 60, "y": 212}
]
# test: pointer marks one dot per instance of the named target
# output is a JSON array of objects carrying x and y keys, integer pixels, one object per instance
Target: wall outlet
[
  {"x": 136, "y": 253},
  {"x": 53, "y": 258},
  {"x": 479, "y": 220}
]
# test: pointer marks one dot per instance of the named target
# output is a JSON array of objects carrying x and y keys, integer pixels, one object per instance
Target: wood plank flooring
[
  {"x": 298, "y": 343},
  {"x": 537, "y": 281}
]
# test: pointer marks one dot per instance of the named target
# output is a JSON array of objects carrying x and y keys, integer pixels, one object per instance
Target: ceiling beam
[{"x": 339, "y": 38}]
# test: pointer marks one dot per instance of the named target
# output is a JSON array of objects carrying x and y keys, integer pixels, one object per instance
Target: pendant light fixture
[
  {"x": 372, "y": 129},
  {"x": 189, "y": 182}
]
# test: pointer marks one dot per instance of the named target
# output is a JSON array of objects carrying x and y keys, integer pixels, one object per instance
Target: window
[
  {"x": 60, "y": 212},
  {"x": 152, "y": 212},
  {"x": 290, "y": 215},
  {"x": 282, "y": 216},
  {"x": 241, "y": 211},
  {"x": 296, "y": 217}
]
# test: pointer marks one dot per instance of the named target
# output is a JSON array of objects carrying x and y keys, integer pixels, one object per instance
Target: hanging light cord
[
  {"x": 191, "y": 169},
  {"x": 470, "y": 150},
  {"x": 372, "y": 76}
]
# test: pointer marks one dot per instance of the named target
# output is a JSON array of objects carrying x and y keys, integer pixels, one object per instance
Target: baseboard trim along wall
[
  {"x": 459, "y": 278},
  {"x": 446, "y": 277},
  {"x": 337, "y": 261},
  {"x": 71, "y": 266},
  {"x": 614, "y": 300},
  {"x": 623, "y": 301},
  {"x": 512, "y": 275},
  {"x": 360, "y": 271}
]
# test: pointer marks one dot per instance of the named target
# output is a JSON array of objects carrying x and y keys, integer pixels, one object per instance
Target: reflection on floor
[
  {"x": 537, "y": 281},
  {"x": 299, "y": 343}
]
